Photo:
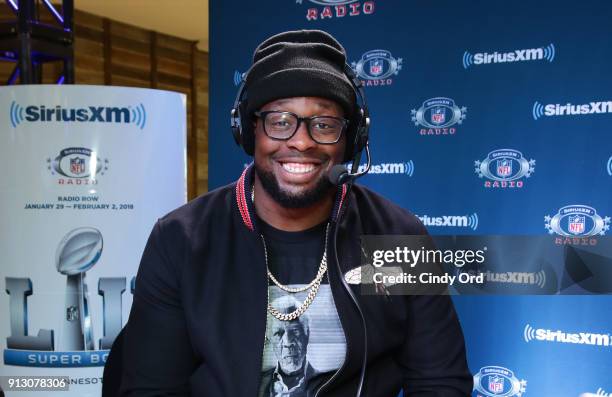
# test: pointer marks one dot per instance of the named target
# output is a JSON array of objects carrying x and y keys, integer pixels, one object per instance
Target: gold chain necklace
[{"x": 313, "y": 285}]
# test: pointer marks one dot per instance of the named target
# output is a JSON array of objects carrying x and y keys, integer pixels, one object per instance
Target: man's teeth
[{"x": 298, "y": 168}]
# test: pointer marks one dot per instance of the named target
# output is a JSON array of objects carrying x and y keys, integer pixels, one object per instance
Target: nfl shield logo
[
  {"x": 438, "y": 115},
  {"x": 77, "y": 165},
  {"x": 496, "y": 384},
  {"x": 576, "y": 224},
  {"x": 376, "y": 67},
  {"x": 504, "y": 168}
]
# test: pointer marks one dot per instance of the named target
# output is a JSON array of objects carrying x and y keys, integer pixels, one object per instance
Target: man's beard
[
  {"x": 288, "y": 200},
  {"x": 291, "y": 365}
]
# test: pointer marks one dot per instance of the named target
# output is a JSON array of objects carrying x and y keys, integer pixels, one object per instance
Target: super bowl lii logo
[
  {"x": 77, "y": 166},
  {"x": 577, "y": 225},
  {"x": 74, "y": 344},
  {"x": 504, "y": 168},
  {"x": 498, "y": 381},
  {"x": 438, "y": 116},
  {"x": 324, "y": 9},
  {"x": 377, "y": 67}
]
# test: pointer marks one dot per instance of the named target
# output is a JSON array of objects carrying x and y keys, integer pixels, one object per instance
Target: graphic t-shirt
[{"x": 301, "y": 355}]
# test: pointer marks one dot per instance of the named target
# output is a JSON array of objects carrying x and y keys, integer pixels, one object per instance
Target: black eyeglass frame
[{"x": 307, "y": 120}]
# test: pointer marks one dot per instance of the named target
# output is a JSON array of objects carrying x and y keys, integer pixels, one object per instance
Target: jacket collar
[{"x": 245, "y": 206}]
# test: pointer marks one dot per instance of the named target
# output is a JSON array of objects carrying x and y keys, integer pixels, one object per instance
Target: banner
[
  {"x": 488, "y": 118},
  {"x": 86, "y": 171}
]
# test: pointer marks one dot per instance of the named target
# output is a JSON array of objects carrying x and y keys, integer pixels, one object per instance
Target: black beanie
[{"x": 299, "y": 63}]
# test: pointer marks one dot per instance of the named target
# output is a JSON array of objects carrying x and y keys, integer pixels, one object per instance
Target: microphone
[{"x": 339, "y": 174}]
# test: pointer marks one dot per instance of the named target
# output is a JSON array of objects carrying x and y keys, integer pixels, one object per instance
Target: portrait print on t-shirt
[{"x": 301, "y": 355}]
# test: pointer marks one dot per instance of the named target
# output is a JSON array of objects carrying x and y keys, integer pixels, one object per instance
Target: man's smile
[{"x": 297, "y": 169}]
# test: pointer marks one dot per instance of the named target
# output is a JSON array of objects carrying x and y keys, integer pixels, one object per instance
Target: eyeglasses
[{"x": 283, "y": 125}]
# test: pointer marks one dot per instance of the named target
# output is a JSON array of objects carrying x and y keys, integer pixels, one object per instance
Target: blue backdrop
[{"x": 489, "y": 117}]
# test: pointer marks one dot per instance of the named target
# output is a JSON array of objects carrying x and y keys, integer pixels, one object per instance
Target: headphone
[{"x": 359, "y": 124}]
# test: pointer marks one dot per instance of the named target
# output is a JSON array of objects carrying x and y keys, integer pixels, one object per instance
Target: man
[{"x": 215, "y": 272}]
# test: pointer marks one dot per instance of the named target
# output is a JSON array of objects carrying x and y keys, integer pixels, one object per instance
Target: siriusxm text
[
  {"x": 580, "y": 338},
  {"x": 88, "y": 114},
  {"x": 386, "y": 168},
  {"x": 511, "y": 277},
  {"x": 531, "y": 54},
  {"x": 452, "y": 221},
  {"x": 570, "y": 109}
]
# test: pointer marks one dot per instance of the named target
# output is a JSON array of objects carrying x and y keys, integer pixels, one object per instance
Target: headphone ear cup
[
  {"x": 360, "y": 140},
  {"x": 235, "y": 126},
  {"x": 363, "y": 134},
  {"x": 248, "y": 134},
  {"x": 359, "y": 134}
]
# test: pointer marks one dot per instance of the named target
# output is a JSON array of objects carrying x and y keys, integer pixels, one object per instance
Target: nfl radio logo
[
  {"x": 576, "y": 224},
  {"x": 77, "y": 165},
  {"x": 438, "y": 115},
  {"x": 504, "y": 168},
  {"x": 496, "y": 384},
  {"x": 376, "y": 67}
]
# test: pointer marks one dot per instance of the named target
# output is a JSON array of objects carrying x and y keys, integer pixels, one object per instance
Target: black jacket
[{"x": 198, "y": 318}]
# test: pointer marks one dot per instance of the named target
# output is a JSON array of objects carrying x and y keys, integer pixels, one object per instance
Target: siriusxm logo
[
  {"x": 556, "y": 109},
  {"x": 338, "y": 9},
  {"x": 528, "y": 278},
  {"x": 103, "y": 114},
  {"x": 467, "y": 221},
  {"x": 578, "y": 338},
  {"x": 602, "y": 393},
  {"x": 577, "y": 221},
  {"x": 238, "y": 78},
  {"x": 405, "y": 168},
  {"x": 494, "y": 381},
  {"x": 609, "y": 166},
  {"x": 533, "y": 54}
]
